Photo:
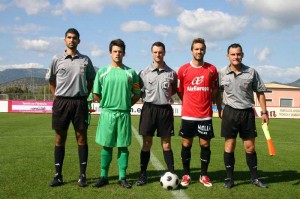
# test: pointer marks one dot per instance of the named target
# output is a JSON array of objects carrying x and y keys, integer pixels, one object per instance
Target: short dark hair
[
  {"x": 198, "y": 40},
  {"x": 235, "y": 45},
  {"x": 159, "y": 44},
  {"x": 73, "y": 31},
  {"x": 117, "y": 42}
]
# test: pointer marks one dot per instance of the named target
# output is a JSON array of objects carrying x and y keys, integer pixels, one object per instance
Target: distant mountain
[
  {"x": 10, "y": 75},
  {"x": 34, "y": 78},
  {"x": 295, "y": 83},
  {"x": 33, "y": 84}
]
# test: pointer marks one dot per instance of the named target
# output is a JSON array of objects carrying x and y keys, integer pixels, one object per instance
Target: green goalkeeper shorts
[{"x": 114, "y": 129}]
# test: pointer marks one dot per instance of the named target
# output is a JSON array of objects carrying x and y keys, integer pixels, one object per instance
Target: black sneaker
[
  {"x": 258, "y": 183},
  {"x": 57, "y": 181},
  {"x": 101, "y": 182},
  {"x": 229, "y": 183},
  {"x": 142, "y": 180},
  {"x": 123, "y": 182},
  {"x": 82, "y": 181}
]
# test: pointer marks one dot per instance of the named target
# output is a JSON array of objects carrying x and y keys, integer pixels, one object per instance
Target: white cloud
[
  {"x": 165, "y": 8},
  {"x": 98, "y": 53},
  {"x": 275, "y": 14},
  {"x": 162, "y": 30},
  {"x": 279, "y": 74},
  {"x": 142, "y": 26},
  {"x": 1, "y": 59},
  {"x": 35, "y": 45},
  {"x": 32, "y": 7},
  {"x": 211, "y": 25},
  {"x": 59, "y": 10},
  {"x": 2, "y": 7},
  {"x": 22, "y": 29},
  {"x": 262, "y": 55},
  {"x": 136, "y": 26},
  {"x": 42, "y": 45},
  {"x": 17, "y": 18},
  {"x": 20, "y": 66},
  {"x": 96, "y": 6}
]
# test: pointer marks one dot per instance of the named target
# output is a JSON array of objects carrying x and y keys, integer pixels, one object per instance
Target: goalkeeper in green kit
[{"x": 116, "y": 87}]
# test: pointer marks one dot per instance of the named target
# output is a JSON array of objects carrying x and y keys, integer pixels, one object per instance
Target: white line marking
[{"x": 158, "y": 166}]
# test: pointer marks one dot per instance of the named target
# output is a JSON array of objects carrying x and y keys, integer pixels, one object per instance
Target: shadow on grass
[{"x": 241, "y": 177}]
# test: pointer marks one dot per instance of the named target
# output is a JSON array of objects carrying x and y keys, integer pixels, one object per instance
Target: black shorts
[
  {"x": 240, "y": 121},
  {"x": 191, "y": 128},
  {"x": 66, "y": 109},
  {"x": 158, "y": 118}
]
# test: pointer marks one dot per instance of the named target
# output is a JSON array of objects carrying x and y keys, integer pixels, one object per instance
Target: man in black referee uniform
[
  {"x": 158, "y": 83},
  {"x": 238, "y": 82},
  {"x": 71, "y": 77}
]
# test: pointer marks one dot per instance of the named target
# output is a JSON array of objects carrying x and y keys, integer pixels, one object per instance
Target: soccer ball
[{"x": 169, "y": 181}]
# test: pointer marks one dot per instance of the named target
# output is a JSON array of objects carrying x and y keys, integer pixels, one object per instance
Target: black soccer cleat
[
  {"x": 229, "y": 183},
  {"x": 101, "y": 182},
  {"x": 82, "y": 182},
  {"x": 142, "y": 180},
  {"x": 258, "y": 183},
  {"x": 57, "y": 181},
  {"x": 123, "y": 182}
]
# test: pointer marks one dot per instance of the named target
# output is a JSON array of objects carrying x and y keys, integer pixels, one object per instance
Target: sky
[{"x": 32, "y": 32}]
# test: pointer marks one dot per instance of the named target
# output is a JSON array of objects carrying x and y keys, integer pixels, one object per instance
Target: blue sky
[{"x": 32, "y": 31}]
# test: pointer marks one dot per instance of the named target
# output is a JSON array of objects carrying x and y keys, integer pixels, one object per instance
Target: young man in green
[
  {"x": 116, "y": 87},
  {"x": 90, "y": 100}
]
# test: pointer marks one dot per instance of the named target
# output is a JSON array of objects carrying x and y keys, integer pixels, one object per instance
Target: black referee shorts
[
  {"x": 240, "y": 121},
  {"x": 158, "y": 118},
  {"x": 67, "y": 109}
]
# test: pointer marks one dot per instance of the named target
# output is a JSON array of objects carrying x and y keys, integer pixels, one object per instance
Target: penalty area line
[{"x": 158, "y": 166}]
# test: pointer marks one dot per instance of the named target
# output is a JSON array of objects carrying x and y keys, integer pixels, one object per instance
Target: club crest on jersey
[{"x": 197, "y": 80}]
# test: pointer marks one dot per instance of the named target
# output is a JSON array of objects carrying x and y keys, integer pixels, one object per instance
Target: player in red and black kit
[{"x": 197, "y": 86}]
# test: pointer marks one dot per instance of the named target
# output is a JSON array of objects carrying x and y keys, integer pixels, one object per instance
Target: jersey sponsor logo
[
  {"x": 196, "y": 88},
  {"x": 198, "y": 80},
  {"x": 203, "y": 129}
]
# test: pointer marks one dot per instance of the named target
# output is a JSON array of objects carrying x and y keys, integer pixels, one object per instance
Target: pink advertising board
[{"x": 31, "y": 106}]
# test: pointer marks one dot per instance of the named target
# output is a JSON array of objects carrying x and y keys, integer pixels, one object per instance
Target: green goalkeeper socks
[
  {"x": 106, "y": 156},
  {"x": 123, "y": 154}
]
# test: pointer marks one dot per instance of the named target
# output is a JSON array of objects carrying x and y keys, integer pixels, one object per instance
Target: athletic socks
[
  {"x": 59, "y": 155},
  {"x": 123, "y": 154},
  {"x": 83, "y": 157},
  {"x": 186, "y": 158},
  {"x": 106, "y": 156},
  {"x": 169, "y": 159},
  {"x": 229, "y": 162},
  {"x": 251, "y": 159},
  {"x": 205, "y": 159},
  {"x": 144, "y": 160}
]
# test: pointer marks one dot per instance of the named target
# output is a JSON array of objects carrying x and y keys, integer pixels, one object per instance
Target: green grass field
[{"x": 26, "y": 156}]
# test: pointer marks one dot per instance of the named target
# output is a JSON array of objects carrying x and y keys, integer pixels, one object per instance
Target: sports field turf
[{"x": 26, "y": 156}]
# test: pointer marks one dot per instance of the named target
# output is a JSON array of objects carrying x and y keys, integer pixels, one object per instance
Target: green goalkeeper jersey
[{"x": 115, "y": 86}]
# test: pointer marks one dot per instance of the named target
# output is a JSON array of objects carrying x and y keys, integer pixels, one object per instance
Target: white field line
[{"x": 158, "y": 166}]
